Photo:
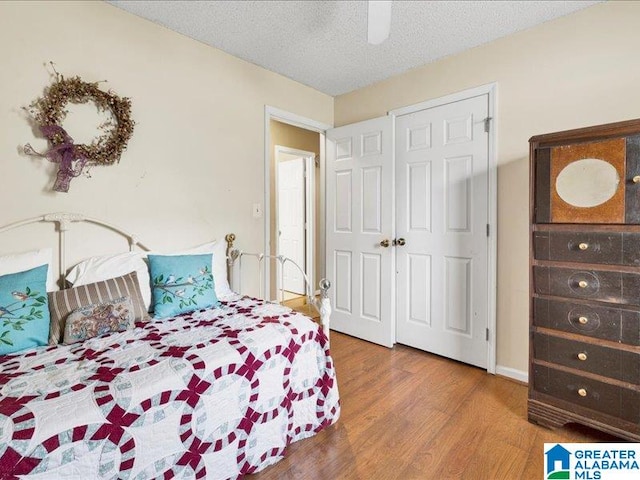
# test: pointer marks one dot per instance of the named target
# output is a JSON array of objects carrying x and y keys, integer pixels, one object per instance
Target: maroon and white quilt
[{"x": 212, "y": 394}]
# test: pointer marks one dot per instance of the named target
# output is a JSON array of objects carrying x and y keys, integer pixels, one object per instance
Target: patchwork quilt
[{"x": 212, "y": 394}]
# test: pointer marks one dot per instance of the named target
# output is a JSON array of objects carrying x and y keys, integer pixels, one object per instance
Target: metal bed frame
[{"x": 64, "y": 220}]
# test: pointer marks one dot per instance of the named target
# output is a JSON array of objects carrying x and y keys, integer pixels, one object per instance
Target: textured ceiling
[{"x": 323, "y": 44}]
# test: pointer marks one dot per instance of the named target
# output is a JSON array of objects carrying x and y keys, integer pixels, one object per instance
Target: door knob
[
  {"x": 400, "y": 242},
  {"x": 385, "y": 243}
]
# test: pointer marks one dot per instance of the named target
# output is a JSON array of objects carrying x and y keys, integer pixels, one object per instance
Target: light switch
[{"x": 257, "y": 210}]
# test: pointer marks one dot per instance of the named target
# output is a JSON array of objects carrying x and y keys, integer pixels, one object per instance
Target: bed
[{"x": 212, "y": 393}]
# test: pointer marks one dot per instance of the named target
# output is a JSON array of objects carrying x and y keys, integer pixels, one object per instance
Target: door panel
[
  {"x": 458, "y": 179},
  {"x": 359, "y": 216},
  {"x": 370, "y": 281},
  {"x": 441, "y": 166},
  {"x": 342, "y": 281},
  {"x": 419, "y": 195},
  {"x": 371, "y": 199},
  {"x": 342, "y": 209},
  {"x": 291, "y": 206},
  {"x": 419, "y": 281},
  {"x": 457, "y": 274}
]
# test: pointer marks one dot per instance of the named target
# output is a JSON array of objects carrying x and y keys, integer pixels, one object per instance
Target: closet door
[
  {"x": 441, "y": 226},
  {"x": 359, "y": 211}
]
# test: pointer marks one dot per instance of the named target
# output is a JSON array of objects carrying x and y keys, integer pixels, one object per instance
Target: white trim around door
[
  {"x": 273, "y": 113},
  {"x": 491, "y": 91}
]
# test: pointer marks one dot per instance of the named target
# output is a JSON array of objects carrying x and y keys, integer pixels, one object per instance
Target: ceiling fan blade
[{"x": 378, "y": 21}]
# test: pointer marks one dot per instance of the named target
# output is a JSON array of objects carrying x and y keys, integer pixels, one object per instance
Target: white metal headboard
[{"x": 63, "y": 221}]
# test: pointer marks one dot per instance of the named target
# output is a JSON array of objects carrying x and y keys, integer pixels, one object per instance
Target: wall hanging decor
[{"x": 50, "y": 110}]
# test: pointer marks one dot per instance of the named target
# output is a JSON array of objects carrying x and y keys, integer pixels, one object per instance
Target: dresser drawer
[
  {"x": 612, "y": 248},
  {"x": 619, "y": 402},
  {"x": 608, "y": 362},
  {"x": 615, "y": 324},
  {"x": 615, "y": 287}
]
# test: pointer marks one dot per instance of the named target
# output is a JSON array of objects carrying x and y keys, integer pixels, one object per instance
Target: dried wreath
[{"x": 49, "y": 111}]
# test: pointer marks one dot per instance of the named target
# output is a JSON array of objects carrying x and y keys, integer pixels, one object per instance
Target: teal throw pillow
[
  {"x": 181, "y": 283},
  {"x": 24, "y": 310}
]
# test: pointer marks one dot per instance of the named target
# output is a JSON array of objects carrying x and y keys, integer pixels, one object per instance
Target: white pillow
[
  {"x": 220, "y": 270},
  {"x": 98, "y": 269},
  {"x": 20, "y": 262}
]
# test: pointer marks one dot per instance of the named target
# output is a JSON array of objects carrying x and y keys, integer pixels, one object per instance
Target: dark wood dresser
[{"x": 585, "y": 279}]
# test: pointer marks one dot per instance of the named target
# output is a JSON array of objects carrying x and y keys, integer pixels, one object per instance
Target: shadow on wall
[{"x": 513, "y": 261}]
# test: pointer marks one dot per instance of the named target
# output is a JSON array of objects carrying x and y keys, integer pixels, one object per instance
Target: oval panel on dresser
[{"x": 575, "y": 184}]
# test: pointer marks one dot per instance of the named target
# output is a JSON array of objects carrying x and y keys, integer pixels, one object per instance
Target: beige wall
[
  {"x": 579, "y": 70},
  {"x": 194, "y": 165},
  {"x": 286, "y": 135}
]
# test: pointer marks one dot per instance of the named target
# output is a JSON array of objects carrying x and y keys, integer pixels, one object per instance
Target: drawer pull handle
[
  {"x": 582, "y": 356},
  {"x": 583, "y": 320},
  {"x": 636, "y": 179},
  {"x": 582, "y": 392},
  {"x": 583, "y": 246},
  {"x": 583, "y": 284}
]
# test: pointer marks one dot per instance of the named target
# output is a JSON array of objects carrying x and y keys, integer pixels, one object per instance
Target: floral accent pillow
[
  {"x": 24, "y": 310},
  {"x": 99, "y": 319},
  {"x": 63, "y": 302},
  {"x": 181, "y": 283}
]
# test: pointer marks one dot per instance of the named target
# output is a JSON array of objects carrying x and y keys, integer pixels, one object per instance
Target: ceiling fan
[{"x": 378, "y": 21}]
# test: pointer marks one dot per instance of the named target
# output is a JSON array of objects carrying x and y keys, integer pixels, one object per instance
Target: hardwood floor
[
  {"x": 299, "y": 304},
  {"x": 407, "y": 414}
]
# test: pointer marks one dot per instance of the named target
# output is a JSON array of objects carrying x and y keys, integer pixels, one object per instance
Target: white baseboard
[{"x": 509, "y": 372}]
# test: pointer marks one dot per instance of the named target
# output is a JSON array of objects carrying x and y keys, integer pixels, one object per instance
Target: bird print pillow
[
  {"x": 180, "y": 284},
  {"x": 24, "y": 310},
  {"x": 99, "y": 319}
]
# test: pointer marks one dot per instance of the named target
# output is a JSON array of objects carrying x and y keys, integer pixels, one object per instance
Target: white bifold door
[
  {"x": 441, "y": 221},
  {"x": 359, "y": 228},
  {"x": 423, "y": 188}
]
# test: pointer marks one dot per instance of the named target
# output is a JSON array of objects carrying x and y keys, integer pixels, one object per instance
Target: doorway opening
[
  {"x": 290, "y": 136},
  {"x": 295, "y": 214}
]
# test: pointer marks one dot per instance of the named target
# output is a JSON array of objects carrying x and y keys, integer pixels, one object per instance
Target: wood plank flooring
[
  {"x": 299, "y": 304},
  {"x": 407, "y": 414}
]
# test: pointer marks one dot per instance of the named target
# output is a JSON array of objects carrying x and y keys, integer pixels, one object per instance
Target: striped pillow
[{"x": 63, "y": 302}]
